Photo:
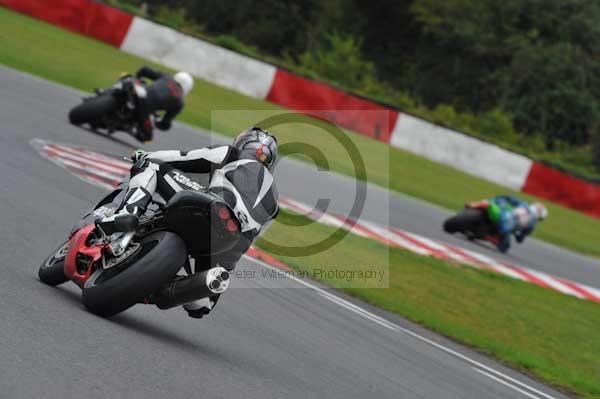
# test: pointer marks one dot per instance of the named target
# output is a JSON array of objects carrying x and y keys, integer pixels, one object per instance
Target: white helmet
[
  {"x": 184, "y": 80},
  {"x": 540, "y": 210}
]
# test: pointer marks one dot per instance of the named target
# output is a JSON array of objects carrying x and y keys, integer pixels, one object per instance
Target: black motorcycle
[
  {"x": 111, "y": 109},
  {"x": 474, "y": 223},
  {"x": 119, "y": 270}
]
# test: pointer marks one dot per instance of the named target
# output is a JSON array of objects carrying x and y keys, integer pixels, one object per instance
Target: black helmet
[{"x": 256, "y": 143}]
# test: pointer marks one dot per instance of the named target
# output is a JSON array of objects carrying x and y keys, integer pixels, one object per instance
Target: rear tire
[
  {"x": 91, "y": 110},
  {"x": 469, "y": 220},
  {"x": 52, "y": 270},
  {"x": 108, "y": 292}
]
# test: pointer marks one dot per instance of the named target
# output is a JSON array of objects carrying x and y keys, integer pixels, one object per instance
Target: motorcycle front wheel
[
  {"x": 52, "y": 271},
  {"x": 158, "y": 258}
]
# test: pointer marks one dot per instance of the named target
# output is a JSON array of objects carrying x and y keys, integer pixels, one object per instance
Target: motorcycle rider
[
  {"x": 240, "y": 173},
  {"x": 513, "y": 216},
  {"x": 166, "y": 93}
]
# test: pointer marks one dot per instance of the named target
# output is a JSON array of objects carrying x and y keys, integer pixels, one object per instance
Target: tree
[
  {"x": 538, "y": 59},
  {"x": 550, "y": 89}
]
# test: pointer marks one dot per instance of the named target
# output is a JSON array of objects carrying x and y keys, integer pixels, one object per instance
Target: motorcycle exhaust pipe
[{"x": 191, "y": 288}]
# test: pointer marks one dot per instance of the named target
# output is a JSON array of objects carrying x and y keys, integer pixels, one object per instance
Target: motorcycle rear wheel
[
  {"x": 111, "y": 291},
  {"x": 93, "y": 109}
]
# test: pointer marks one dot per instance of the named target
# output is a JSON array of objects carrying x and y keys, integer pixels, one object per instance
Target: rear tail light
[
  {"x": 224, "y": 213},
  {"x": 227, "y": 219},
  {"x": 232, "y": 226}
]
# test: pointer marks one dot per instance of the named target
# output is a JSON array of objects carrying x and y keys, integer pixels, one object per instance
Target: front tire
[
  {"x": 52, "y": 270},
  {"x": 111, "y": 291},
  {"x": 93, "y": 109}
]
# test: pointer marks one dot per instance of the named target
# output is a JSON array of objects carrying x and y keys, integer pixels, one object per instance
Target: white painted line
[
  {"x": 505, "y": 383},
  {"x": 462, "y": 255},
  {"x": 79, "y": 159},
  {"x": 85, "y": 168},
  {"x": 335, "y": 299},
  {"x": 507, "y": 271},
  {"x": 390, "y": 325},
  {"x": 93, "y": 180},
  {"x": 398, "y": 240},
  {"x": 310, "y": 213},
  {"x": 554, "y": 283},
  {"x": 495, "y": 264},
  {"x": 592, "y": 290},
  {"x": 93, "y": 156}
]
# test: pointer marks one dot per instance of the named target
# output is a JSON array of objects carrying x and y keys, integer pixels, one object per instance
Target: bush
[
  {"x": 339, "y": 59},
  {"x": 232, "y": 43},
  {"x": 550, "y": 90},
  {"x": 174, "y": 18},
  {"x": 596, "y": 149}
]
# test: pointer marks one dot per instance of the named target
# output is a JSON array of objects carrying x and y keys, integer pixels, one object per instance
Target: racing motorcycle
[
  {"x": 474, "y": 223},
  {"x": 111, "y": 109},
  {"x": 119, "y": 270}
]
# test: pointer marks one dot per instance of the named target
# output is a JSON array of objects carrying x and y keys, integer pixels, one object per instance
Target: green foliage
[
  {"x": 271, "y": 25},
  {"x": 596, "y": 147},
  {"x": 232, "y": 43},
  {"x": 131, "y": 7},
  {"x": 340, "y": 60},
  {"x": 537, "y": 60},
  {"x": 174, "y": 18},
  {"x": 550, "y": 90}
]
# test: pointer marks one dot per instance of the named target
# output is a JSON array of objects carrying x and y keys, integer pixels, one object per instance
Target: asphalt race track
[{"x": 261, "y": 342}]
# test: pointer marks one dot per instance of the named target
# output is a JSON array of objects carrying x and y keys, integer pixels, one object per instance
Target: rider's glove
[
  {"x": 200, "y": 308},
  {"x": 504, "y": 243},
  {"x": 163, "y": 125},
  {"x": 520, "y": 237},
  {"x": 138, "y": 155}
]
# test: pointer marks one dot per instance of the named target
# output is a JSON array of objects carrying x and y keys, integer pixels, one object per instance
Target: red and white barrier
[
  {"x": 107, "y": 172},
  {"x": 213, "y": 63},
  {"x": 463, "y": 152},
  {"x": 298, "y": 93},
  {"x": 264, "y": 81},
  {"x": 559, "y": 187}
]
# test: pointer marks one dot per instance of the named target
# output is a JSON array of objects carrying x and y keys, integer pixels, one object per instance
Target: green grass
[
  {"x": 55, "y": 54},
  {"x": 546, "y": 334}
]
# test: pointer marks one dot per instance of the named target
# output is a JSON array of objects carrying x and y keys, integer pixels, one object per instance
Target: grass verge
[
  {"x": 544, "y": 333},
  {"x": 62, "y": 56}
]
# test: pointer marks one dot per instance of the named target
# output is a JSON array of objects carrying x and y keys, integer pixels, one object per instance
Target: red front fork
[{"x": 78, "y": 245}]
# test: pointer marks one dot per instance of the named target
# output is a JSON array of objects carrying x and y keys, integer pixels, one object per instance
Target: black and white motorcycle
[{"x": 120, "y": 270}]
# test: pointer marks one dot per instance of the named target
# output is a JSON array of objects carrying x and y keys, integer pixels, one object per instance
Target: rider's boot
[
  {"x": 144, "y": 132},
  {"x": 126, "y": 218},
  {"x": 200, "y": 308},
  {"x": 197, "y": 293}
]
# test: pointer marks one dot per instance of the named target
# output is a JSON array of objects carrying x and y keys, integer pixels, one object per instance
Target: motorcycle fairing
[{"x": 78, "y": 246}]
